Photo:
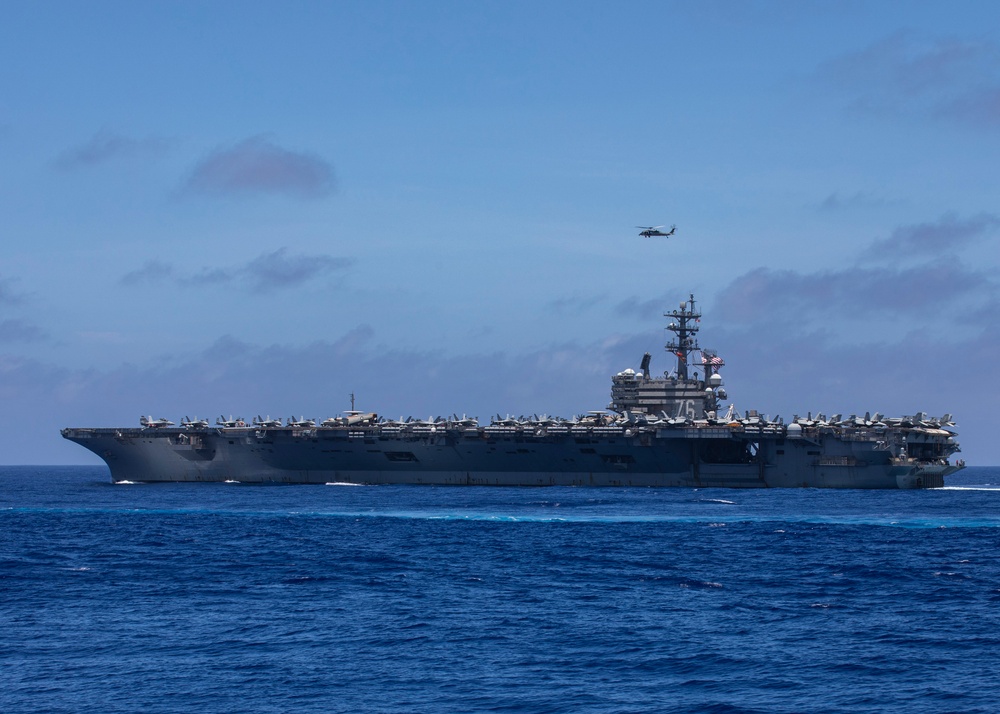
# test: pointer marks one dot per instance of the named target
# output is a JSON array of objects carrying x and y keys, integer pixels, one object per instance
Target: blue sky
[{"x": 262, "y": 207}]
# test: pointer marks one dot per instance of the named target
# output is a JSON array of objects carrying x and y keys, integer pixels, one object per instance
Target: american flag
[{"x": 713, "y": 361}]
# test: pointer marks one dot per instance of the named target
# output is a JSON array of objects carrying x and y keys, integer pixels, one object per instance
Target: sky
[{"x": 261, "y": 208}]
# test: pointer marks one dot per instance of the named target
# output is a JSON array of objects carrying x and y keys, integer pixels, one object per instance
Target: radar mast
[{"x": 684, "y": 325}]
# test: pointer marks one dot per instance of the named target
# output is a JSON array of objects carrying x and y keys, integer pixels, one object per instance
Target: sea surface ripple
[{"x": 231, "y": 598}]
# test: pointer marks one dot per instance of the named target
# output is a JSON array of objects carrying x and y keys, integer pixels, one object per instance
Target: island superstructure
[{"x": 657, "y": 431}]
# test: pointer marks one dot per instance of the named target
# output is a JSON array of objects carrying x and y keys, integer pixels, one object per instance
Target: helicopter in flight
[{"x": 654, "y": 231}]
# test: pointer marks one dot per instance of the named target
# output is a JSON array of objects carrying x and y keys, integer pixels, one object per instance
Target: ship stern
[{"x": 923, "y": 475}]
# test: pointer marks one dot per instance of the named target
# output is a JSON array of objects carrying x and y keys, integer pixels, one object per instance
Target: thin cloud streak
[
  {"x": 576, "y": 304},
  {"x": 8, "y": 295},
  {"x": 946, "y": 235},
  {"x": 860, "y": 200},
  {"x": 152, "y": 271},
  {"x": 15, "y": 330},
  {"x": 980, "y": 108},
  {"x": 940, "y": 78},
  {"x": 259, "y": 166},
  {"x": 269, "y": 272},
  {"x": 106, "y": 146},
  {"x": 644, "y": 309},
  {"x": 921, "y": 289},
  {"x": 277, "y": 270}
]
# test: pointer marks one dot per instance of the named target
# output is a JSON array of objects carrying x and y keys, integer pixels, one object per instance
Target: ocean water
[{"x": 233, "y": 598}]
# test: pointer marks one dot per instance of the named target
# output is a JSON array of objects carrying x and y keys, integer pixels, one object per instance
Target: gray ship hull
[
  {"x": 703, "y": 457},
  {"x": 662, "y": 431}
]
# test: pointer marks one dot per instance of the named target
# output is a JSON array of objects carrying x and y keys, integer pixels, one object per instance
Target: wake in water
[{"x": 969, "y": 488}]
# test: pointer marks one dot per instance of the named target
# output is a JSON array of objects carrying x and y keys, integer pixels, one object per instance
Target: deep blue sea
[{"x": 233, "y": 598}]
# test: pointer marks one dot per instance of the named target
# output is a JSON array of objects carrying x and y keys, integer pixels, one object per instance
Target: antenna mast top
[{"x": 684, "y": 325}]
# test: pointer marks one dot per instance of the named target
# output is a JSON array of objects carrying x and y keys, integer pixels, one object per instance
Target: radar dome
[{"x": 715, "y": 380}]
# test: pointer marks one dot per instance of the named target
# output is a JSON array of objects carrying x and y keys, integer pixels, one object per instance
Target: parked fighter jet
[
  {"x": 301, "y": 422},
  {"x": 151, "y": 423},
  {"x": 268, "y": 422}
]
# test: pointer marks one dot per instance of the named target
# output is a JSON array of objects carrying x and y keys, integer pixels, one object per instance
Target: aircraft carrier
[{"x": 669, "y": 430}]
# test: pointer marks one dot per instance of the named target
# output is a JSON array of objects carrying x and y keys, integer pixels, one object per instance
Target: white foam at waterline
[
  {"x": 127, "y": 483},
  {"x": 231, "y": 481},
  {"x": 968, "y": 488},
  {"x": 342, "y": 483}
]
